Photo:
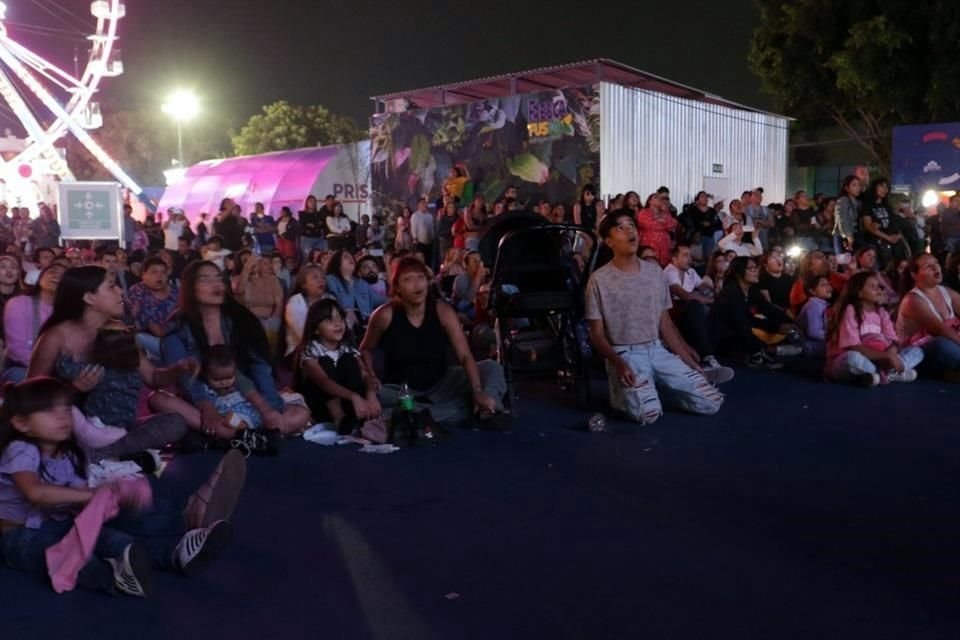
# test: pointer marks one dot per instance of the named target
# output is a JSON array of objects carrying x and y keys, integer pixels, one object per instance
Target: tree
[
  {"x": 866, "y": 65},
  {"x": 283, "y": 126}
]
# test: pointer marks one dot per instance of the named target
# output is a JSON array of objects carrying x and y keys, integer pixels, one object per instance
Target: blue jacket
[
  {"x": 179, "y": 343},
  {"x": 356, "y": 295}
]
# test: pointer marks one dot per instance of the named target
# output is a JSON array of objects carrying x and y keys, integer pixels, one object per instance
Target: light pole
[{"x": 182, "y": 106}]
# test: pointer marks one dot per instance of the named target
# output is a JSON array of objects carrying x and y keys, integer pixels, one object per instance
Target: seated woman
[
  {"x": 415, "y": 331},
  {"x": 22, "y": 318},
  {"x": 353, "y": 293},
  {"x": 713, "y": 280},
  {"x": 740, "y": 308},
  {"x": 309, "y": 287},
  {"x": 209, "y": 316},
  {"x": 331, "y": 375},
  {"x": 88, "y": 301},
  {"x": 928, "y": 319}
]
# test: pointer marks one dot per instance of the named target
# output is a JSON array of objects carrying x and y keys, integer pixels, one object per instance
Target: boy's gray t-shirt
[{"x": 630, "y": 304}]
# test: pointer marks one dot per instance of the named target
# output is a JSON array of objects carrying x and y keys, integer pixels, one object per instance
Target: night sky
[{"x": 240, "y": 55}]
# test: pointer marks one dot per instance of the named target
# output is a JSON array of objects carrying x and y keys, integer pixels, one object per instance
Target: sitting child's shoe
[
  {"x": 257, "y": 442},
  {"x": 198, "y": 547},
  {"x": 131, "y": 571},
  {"x": 907, "y": 375}
]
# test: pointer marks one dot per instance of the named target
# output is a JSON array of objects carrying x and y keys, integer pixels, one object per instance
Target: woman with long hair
[
  {"x": 87, "y": 304},
  {"x": 313, "y": 231},
  {"x": 353, "y": 293},
  {"x": 846, "y": 228},
  {"x": 928, "y": 317},
  {"x": 588, "y": 210},
  {"x": 209, "y": 316},
  {"x": 260, "y": 291},
  {"x": 288, "y": 234}
]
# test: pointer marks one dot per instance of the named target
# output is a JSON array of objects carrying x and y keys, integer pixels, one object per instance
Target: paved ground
[{"x": 803, "y": 510}]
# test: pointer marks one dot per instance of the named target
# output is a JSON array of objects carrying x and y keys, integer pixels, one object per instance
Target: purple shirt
[
  {"x": 146, "y": 307},
  {"x": 813, "y": 320},
  {"x": 23, "y": 456},
  {"x": 21, "y": 323}
]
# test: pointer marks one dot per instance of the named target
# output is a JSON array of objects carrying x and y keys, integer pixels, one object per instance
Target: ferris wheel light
[{"x": 182, "y": 105}]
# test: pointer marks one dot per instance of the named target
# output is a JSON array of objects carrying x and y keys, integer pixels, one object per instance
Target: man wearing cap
[{"x": 627, "y": 307}]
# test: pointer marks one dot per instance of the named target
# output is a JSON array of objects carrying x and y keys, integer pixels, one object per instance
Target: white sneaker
[
  {"x": 907, "y": 375},
  {"x": 715, "y": 372},
  {"x": 198, "y": 547},
  {"x": 131, "y": 571}
]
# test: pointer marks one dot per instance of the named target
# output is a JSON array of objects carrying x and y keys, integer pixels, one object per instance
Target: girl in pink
[
  {"x": 862, "y": 342},
  {"x": 655, "y": 226},
  {"x": 43, "y": 488}
]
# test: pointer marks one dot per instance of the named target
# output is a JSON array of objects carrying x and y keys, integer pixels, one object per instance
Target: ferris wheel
[{"x": 27, "y": 78}]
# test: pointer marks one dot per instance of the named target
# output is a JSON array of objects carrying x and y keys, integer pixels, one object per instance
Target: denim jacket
[
  {"x": 179, "y": 343},
  {"x": 357, "y": 295}
]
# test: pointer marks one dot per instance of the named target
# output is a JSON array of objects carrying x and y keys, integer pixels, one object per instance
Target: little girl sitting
[
  {"x": 331, "y": 375},
  {"x": 812, "y": 319},
  {"x": 43, "y": 488},
  {"x": 862, "y": 345}
]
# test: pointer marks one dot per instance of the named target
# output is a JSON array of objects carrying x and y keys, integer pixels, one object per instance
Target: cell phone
[{"x": 747, "y": 237}]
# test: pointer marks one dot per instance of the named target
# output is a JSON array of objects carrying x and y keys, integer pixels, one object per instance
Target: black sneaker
[
  {"x": 198, "y": 547},
  {"x": 131, "y": 571},
  {"x": 762, "y": 360},
  {"x": 257, "y": 442}
]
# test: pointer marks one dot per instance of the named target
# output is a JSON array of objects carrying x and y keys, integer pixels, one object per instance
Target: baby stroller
[{"x": 536, "y": 298}]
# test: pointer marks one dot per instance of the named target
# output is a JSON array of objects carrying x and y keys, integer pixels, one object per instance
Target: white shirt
[
  {"x": 338, "y": 224},
  {"x": 171, "y": 235},
  {"x": 421, "y": 227},
  {"x": 295, "y": 316},
  {"x": 729, "y": 243},
  {"x": 688, "y": 280}
]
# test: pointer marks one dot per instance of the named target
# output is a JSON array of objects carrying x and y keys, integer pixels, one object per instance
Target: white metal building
[{"x": 653, "y": 131}]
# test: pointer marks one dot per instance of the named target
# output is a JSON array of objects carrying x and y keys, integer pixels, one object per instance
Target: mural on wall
[{"x": 546, "y": 144}]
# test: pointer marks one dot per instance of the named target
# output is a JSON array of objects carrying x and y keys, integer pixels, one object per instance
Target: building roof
[{"x": 563, "y": 76}]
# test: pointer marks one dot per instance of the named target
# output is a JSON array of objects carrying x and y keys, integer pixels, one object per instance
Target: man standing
[
  {"x": 627, "y": 306},
  {"x": 691, "y": 302},
  {"x": 129, "y": 227},
  {"x": 229, "y": 226},
  {"x": 422, "y": 230}
]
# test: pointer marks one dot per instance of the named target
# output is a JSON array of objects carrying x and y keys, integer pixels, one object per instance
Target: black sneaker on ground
[
  {"x": 131, "y": 571},
  {"x": 257, "y": 442},
  {"x": 762, "y": 360},
  {"x": 198, "y": 547}
]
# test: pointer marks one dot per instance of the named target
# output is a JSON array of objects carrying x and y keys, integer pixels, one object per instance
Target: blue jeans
[
  {"x": 159, "y": 530},
  {"x": 941, "y": 354},
  {"x": 309, "y": 244},
  {"x": 850, "y": 364},
  {"x": 15, "y": 373},
  {"x": 656, "y": 369}
]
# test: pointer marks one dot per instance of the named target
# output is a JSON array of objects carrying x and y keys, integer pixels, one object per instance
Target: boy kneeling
[{"x": 627, "y": 304}]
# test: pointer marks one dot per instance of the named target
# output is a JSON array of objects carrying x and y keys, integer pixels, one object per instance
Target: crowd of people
[{"x": 235, "y": 333}]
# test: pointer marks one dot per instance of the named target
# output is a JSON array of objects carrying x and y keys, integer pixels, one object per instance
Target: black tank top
[
  {"x": 588, "y": 216},
  {"x": 415, "y": 355}
]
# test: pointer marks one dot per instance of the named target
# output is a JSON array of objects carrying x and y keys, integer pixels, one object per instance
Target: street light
[{"x": 182, "y": 106}]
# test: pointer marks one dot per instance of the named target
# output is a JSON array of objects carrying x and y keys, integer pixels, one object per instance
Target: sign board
[{"x": 90, "y": 211}]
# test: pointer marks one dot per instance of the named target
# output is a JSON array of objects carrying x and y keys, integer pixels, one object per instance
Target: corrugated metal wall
[{"x": 648, "y": 139}]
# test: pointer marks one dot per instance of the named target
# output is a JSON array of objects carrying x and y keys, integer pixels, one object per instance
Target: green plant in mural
[
  {"x": 452, "y": 130},
  {"x": 527, "y": 166}
]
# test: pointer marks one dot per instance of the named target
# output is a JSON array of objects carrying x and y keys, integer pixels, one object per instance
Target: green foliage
[
  {"x": 865, "y": 65},
  {"x": 283, "y": 126}
]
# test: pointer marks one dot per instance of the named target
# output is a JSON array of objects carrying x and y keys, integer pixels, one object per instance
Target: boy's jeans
[{"x": 655, "y": 369}]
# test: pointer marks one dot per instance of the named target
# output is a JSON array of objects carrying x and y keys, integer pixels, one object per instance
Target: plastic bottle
[{"x": 597, "y": 423}]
